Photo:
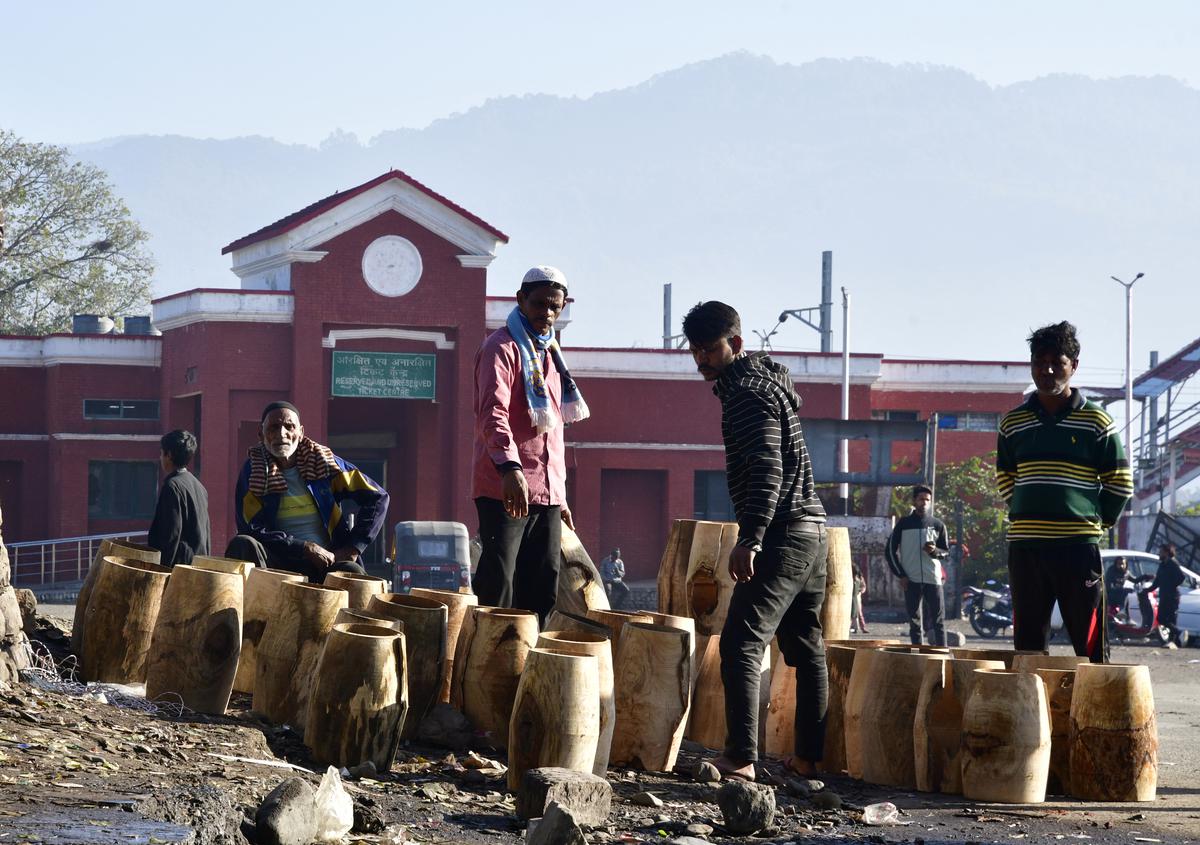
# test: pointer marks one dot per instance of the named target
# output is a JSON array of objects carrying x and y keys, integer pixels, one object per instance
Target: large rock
[
  {"x": 27, "y": 601},
  {"x": 288, "y": 815},
  {"x": 557, "y": 827},
  {"x": 746, "y": 807},
  {"x": 587, "y": 796}
]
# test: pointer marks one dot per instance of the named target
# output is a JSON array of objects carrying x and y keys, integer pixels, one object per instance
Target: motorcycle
[
  {"x": 989, "y": 611},
  {"x": 1121, "y": 626}
]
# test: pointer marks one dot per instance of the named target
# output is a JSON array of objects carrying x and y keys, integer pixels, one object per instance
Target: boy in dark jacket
[
  {"x": 180, "y": 529},
  {"x": 779, "y": 559}
]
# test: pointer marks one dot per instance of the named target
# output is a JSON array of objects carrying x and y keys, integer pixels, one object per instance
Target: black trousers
[
  {"x": 245, "y": 547},
  {"x": 1072, "y": 576},
  {"x": 519, "y": 564},
  {"x": 783, "y": 599},
  {"x": 618, "y": 593},
  {"x": 926, "y": 613}
]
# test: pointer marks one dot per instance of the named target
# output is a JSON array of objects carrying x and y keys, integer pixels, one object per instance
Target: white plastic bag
[
  {"x": 335, "y": 808},
  {"x": 883, "y": 813}
]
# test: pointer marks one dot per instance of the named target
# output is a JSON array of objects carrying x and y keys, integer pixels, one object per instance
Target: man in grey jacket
[{"x": 914, "y": 553}]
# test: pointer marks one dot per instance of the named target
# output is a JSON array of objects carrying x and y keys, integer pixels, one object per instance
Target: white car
[{"x": 1146, "y": 564}]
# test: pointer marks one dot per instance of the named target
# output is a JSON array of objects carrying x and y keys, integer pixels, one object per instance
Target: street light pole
[{"x": 1128, "y": 356}]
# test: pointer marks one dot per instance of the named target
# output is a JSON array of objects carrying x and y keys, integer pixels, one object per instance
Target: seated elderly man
[{"x": 299, "y": 506}]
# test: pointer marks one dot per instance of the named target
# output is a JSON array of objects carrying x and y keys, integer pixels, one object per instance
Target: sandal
[{"x": 730, "y": 773}]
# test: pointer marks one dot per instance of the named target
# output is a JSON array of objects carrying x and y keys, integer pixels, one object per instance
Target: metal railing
[{"x": 66, "y": 559}]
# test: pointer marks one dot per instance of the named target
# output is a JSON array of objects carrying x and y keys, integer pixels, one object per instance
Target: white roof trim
[
  {"x": 657, "y": 447},
  {"x": 475, "y": 260},
  {"x": 438, "y": 339},
  {"x": 138, "y": 438},
  {"x": 221, "y": 307},
  {"x": 393, "y": 195},
  {"x": 118, "y": 350},
  {"x": 673, "y": 365},
  {"x": 270, "y": 262}
]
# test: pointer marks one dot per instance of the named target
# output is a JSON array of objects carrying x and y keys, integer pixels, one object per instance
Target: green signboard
[{"x": 384, "y": 375}]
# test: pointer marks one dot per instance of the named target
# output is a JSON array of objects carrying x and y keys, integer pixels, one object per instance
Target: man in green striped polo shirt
[{"x": 1062, "y": 470}]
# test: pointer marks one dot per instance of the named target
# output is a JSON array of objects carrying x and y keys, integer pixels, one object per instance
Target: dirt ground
[{"x": 77, "y": 770}]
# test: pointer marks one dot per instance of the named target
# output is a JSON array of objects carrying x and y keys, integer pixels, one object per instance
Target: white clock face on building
[{"x": 391, "y": 265}]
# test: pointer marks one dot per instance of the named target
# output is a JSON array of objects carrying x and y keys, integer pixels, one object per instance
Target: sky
[{"x": 76, "y": 71}]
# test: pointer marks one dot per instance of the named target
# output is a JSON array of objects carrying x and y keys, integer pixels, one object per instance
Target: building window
[
  {"x": 968, "y": 421},
  {"x": 120, "y": 409},
  {"x": 122, "y": 489},
  {"x": 901, "y": 416},
  {"x": 712, "y": 497}
]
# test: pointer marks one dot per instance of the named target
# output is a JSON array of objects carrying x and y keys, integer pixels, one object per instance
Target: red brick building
[{"x": 368, "y": 296}]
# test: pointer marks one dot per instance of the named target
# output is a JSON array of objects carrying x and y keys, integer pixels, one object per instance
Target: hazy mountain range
[{"x": 960, "y": 214}]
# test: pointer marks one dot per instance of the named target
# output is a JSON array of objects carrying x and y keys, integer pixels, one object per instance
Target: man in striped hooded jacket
[{"x": 1062, "y": 470}]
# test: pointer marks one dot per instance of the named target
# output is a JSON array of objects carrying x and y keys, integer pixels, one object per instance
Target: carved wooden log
[
  {"x": 1006, "y": 738},
  {"x": 652, "y": 675},
  {"x": 107, "y": 548},
  {"x": 119, "y": 622},
  {"x": 556, "y": 714},
  {"x": 1007, "y": 655},
  {"x": 197, "y": 639},
  {"x": 223, "y": 564},
  {"x": 886, "y": 717},
  {"x": 1030, "y": 662},
  {"x": 1060, "y": 686},
  {"x": 465, "y": 634},
  {"x": 358, "y": 704},
  {"x": 709, "y": 584},
  {"x": 672, "y": 569},
  {"x": 616, "y": 621},
  {"x": 561, "y": 621},
  {"x": 290, "y": 649},
  {"x": 781, "y": 717},
  {"x": 259, "y": 603},
  {"x": 349, "y": 616},
  {"x": 707, "y": 723},
  {"x": 937, "y": 725},
  {"x": 839, "y": 586},
  {"x": 492, "y": 659},
  {"x": 359, "y": 588},
  {"x": 425, "y": 621},
  {"x": 1114, "y": 734},
  {"x": 598, "y": 646},
  {"x": 579, "y": 586},
  {"x": 457, "y": 605}
]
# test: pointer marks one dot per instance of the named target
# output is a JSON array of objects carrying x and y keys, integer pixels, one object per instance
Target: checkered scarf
[{"x": 312, "y": 459}]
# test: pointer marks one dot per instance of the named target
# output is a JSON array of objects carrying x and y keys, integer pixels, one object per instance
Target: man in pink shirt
[{"x": 524, "y": 395}]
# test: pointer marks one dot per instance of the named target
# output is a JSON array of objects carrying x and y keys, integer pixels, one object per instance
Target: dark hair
[
  {"x": 711, "y": 321},
  {"x": 1167, "y": 549},
  {"x": 922, "y": 488},
  {"x": 279, "y": 406},
  {"x": 179, "y": 446},
  {"x": 1057, "y": 339}
]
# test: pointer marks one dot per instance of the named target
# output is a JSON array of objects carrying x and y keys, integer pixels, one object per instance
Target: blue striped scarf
[{"x": 532, "y": 345}]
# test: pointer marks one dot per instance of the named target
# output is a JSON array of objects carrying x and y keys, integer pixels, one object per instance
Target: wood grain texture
[
  {"x": 579, "y": 586},
  {"x": 839, "y": 662},
  {"x": 197, "y": 639},
  {"x": 556, "y": 714},
  {"x": 1113, "y": 734},
  {"x": 886, "y": 716},
  {"x": 119, "y": 621},
  {"x": 359, "y": 702},
  {"x": 359, "y": 588},
  {"x": 616, "y": 620},
  {"x": 290, "y": 649},
  {"x": 599, "y": 647},
  {"x": 457, "y": 605},
  {"x": 559, "y": 620},
  {"x": 425, "y": 626},
  {"x": 493, "y": 658},
  {"x": 259, "y": 602},
  {"x": 937, "y": 725},
  {"x": 223, "y": 564},
  {"x": 1060, "y": 687},
  {"x": 1007, "y": 655},
  {"x": 839, "y": 585},
  {"x": 107, "y": 548},
  {"x": 652, "y": 678},
  {"x": 1006, "y": 738}
]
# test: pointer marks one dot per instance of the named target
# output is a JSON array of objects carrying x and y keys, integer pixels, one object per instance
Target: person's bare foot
[
  {"x": 731, "y": 770},
  {"x": 803, "y": 768}
]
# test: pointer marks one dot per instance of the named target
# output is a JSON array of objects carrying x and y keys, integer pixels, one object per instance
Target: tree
[{"x": 68, "y": 245}]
